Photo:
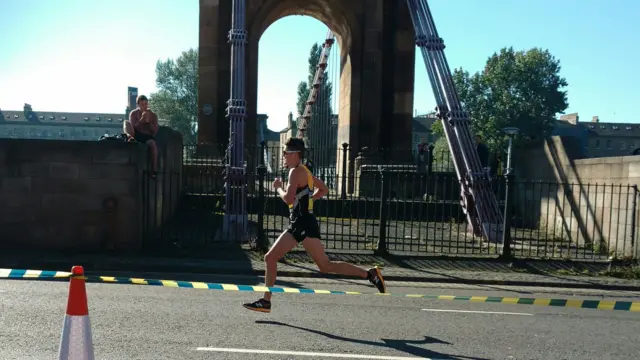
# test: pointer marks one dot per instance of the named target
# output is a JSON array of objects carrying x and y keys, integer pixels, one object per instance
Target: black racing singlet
[{"x": 303, "y": 202}]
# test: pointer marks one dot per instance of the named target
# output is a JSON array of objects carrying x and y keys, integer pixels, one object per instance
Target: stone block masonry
[
  {"x": 590, "y": 202},
  {"x": 54, "y": 195}
]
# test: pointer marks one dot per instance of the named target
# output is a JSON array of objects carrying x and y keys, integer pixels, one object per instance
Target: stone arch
[
  {"x": 377, "y": 46},
  {"x": 341, "y": 21}
]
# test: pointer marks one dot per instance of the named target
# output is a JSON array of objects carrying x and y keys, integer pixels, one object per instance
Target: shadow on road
[
  {"x": 407, "y": 346},
  {"x": 435, "y": 268},
  {"x": 333, "y": 277}
]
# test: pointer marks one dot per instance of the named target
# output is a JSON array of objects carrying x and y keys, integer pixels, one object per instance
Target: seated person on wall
[{"x": 142, "y": 127}]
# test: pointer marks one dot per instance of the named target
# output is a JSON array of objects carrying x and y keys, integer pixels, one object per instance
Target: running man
[{"x": 303, "y": 188}]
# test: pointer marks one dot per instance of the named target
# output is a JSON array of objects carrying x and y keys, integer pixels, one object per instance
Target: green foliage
[
  {"x": 177, "y": 96},
  {"x": 516, "y": 88},
  {"x": 441, "y": 155},
  {"x": 322, "y": 108},
  {"x": 303, "y": 95}
]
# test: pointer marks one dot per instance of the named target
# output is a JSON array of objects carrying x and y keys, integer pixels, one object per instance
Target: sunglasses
[{"x": 287, "y": 152}]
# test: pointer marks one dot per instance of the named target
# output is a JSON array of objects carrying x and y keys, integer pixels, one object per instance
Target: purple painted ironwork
[
  {"x": 477, "y": 197},
  {"x": 235, "y": 219}
]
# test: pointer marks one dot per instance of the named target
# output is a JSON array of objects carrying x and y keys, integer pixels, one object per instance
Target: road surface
[{"x": 146, "y": 322}]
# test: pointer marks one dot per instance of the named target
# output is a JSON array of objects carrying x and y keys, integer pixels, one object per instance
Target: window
[
  {"x": 592, "y": 126},
  {"x": 63, "y": 118},
  {"x": 109, "y": 119},
  {"x": 608, "y": 144},
  {"x": 41, "y": 117},
  {"x": 98, "y": 118},
  {"x": 597, "y": 143},
  {"x": 52, "y": 117},
  {"x": 628, "y": 127},
  {"x": 120, "y": 119},
  {"x": 602, "y": 127},
  {"x": 623, "y": 145},
  {"x": 615, "y": 128},
  {"x": 86, "y": 118}
]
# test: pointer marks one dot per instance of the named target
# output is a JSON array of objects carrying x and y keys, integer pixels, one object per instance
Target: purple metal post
[{"x": 235, "y": 218}]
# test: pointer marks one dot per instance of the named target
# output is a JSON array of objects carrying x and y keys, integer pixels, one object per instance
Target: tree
[
  {"x": 177, "y": 97},
  {"x": 319, "y": 126},
  {"x": 516, "y": 88}
]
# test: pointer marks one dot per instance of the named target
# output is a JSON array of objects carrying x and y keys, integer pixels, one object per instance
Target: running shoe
[
  {"x": 261, "y": 305},
  {"x": 375, "y": 277}
]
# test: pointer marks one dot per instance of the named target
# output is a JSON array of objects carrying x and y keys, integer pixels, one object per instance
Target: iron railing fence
[{"x": 393, "y": 208}]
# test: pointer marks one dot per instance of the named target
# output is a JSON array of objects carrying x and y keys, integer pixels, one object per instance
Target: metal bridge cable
[
  {"x": 476, "y": 192},
  {"x": 317, "y": 83}
]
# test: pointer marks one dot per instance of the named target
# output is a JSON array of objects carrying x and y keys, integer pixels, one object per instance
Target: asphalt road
[{"x": 145, "y": 322}]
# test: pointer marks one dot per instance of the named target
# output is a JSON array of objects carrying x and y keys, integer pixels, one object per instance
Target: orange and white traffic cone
[{"x": 76, "y": 343}]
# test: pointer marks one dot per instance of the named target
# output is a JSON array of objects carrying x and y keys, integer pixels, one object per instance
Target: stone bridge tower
[{"x": 377, "y": 47}]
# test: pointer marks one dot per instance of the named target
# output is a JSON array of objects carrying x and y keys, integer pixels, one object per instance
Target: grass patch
[
  {"x": 620, "y": 272},
  {"x": 624, "y": 272}
]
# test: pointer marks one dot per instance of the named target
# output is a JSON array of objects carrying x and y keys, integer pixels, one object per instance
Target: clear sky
[{"x": 80, "y": 55}]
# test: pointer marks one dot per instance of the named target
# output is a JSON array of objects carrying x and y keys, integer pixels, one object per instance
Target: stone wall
[
  {"x": 80, "y": 196},
  {"x": 161, "y": 197},
  {"x": 591, "y": 202}
]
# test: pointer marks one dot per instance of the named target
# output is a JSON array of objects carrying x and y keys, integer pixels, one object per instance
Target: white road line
[
  {"x": 478, "y": 312},
  {"x": 315, "y": 354}
]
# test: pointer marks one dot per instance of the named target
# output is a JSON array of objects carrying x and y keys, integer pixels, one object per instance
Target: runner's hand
[{"x": 277, "y": 183}]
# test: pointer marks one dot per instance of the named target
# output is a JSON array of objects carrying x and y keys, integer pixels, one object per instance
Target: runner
[{"x": 303, "y": 188}]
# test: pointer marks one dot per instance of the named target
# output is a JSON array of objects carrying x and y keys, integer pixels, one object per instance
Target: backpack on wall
[{"x": 119, "y": 137}]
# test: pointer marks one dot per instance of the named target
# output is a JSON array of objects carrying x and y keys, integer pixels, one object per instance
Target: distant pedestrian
[{"x": 483, "y": 151}]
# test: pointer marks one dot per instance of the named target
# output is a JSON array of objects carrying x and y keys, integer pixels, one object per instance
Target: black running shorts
[{"x": 304, "y": 227}]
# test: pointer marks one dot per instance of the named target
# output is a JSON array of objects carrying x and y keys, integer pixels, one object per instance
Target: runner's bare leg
[
  {"x": 280, "y": 248},
  {"x": 315, "y": 249}
]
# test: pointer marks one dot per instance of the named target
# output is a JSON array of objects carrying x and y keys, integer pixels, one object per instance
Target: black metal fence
[{"x": 408, "y": 206}]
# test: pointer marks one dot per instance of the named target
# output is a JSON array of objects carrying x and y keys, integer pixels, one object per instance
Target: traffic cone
[{"x": 76, "y": 341}]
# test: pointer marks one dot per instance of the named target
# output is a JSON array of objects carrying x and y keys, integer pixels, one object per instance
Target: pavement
[
  {"x": 146, "y": 322},
  {"x": 298, "y": 264}
]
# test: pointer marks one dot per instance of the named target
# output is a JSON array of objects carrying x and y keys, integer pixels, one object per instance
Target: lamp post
[
  {"x": 511, "y": 132},
  {"x": 506, "y": 221}
]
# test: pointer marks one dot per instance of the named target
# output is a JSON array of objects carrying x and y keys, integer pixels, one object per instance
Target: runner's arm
[
  {"x": 290, "y": 194},
  {"x": 320, "y": 188}
]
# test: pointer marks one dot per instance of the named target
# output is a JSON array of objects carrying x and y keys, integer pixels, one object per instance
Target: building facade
[
  {"x": 422, "y": 132},
  {"x": 272, "y": 143},
  {"x": 49, "y": 125},
  {"x": 29, "y": 124},
  {"x": 600, "y": 139}
]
